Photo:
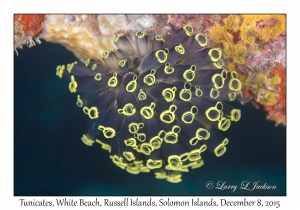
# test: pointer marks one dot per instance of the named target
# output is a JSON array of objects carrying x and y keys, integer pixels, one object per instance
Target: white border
[{"x": 7, "y": 199}]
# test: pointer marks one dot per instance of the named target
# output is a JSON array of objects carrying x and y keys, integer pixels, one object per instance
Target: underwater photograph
[{"x": 150, "y": 105}]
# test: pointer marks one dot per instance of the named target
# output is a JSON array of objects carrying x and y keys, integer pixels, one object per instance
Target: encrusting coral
[{"x": 241, "y": 35}]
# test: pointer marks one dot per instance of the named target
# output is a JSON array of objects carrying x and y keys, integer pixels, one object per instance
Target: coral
[
  {"x": 277, "y": 112},
  {"x": 267, "y": 27},
  {"x": 26, "y": 27},
  {"x": 263, "y": 76},
  {"x": 267, "y": 91},
  {"x": 241, "y": 35},
  {"x": 198, "y": 22},
  {"x": 156, "y": 104},
  {"x": 263, "y": 86},
  {"x": 88, "y": 36}
]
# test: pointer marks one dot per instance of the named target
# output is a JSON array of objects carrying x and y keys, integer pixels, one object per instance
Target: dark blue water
[{"x": 50, "y": 159}]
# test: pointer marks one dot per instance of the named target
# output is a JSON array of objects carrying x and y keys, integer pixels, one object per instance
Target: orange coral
[
  {"x": 26, "y": 27},
  {"x": 31, "y": 24}
]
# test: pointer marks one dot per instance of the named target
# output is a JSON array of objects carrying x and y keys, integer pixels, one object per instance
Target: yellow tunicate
[
  {"x": 162, "y": 55},
  {"x": 127, "y": 110},
  {"x": 131, "y": 86},
  {"x": 189, "y": 74},
  {"x": 168, "y": 116},
  {"x": 148, "y": 111},
  {"x": 87, "y": 141},
  {"x": 221, "y": 148}
]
